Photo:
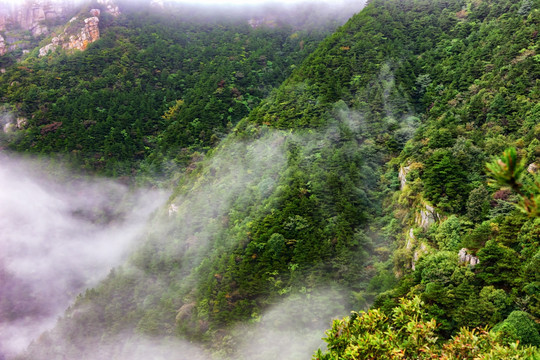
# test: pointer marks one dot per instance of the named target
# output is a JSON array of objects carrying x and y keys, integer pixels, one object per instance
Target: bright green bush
[{"x": 408, "y": 333}]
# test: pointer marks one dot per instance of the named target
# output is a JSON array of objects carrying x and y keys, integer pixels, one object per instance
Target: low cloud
[
  {"x": 292, "y": 329},
  {"x": 59, "y": 236},
  {"x": 200, "y": 218},
  {"x": 289, "y": 330}
]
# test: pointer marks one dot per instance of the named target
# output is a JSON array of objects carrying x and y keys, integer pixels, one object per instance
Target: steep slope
[
  {"x": 379, "y": 138},
  {"x": 463, "y": 247},
  {"x": 473, "y": 254},
  {"x": 159, "y": 86},
  {"x": 291, "y": 220}
]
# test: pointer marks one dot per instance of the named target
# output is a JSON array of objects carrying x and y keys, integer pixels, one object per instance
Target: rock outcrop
[
  {"x": 49, "y": 47},
  {"x": 403, "y": 171},
  {"x": 410, "y": 239},
  {"x": 21, "y": 122},
  {"x": 110, "y": 7},
  {"x": 426, "y": 216},
  {"x": 3, "y": 47},
  {"x": 259, "y": 22},
  {"x": 6, "y": 120},
  {"x": 157, "y": 4},
  {"x": 77, "y": 41},
  {"x": 465, "y": 258},
  {"x": 27, "y": 20},
  {"x": 31, "y": 14},
  {"x": 173, "y": 209},
  {"x": 88, "y": 34},
  {"x": 421, "y": 250}
]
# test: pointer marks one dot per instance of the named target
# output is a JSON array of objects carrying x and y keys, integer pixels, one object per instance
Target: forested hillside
[
  {"x": 161, "y": 85},
  {"x": 360, "y": 182}
]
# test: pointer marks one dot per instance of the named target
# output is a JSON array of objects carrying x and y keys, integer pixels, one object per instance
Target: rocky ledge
[{"x": 78, "y": 41}]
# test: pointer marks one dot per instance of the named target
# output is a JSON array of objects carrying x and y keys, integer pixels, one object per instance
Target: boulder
[{"x": 465, "y": 258}]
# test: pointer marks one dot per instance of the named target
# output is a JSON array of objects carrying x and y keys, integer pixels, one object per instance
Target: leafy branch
[{"x": 509, "y": 171}]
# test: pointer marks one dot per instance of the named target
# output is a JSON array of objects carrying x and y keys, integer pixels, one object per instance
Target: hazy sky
[
  {"x": 220, "y": 2},
  {"x": 247, "y": 2}
]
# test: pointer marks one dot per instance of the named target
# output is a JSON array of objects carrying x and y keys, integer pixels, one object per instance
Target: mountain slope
[
  {"x": 376, "y": 143},
  {"x": 156, "y": 87}
]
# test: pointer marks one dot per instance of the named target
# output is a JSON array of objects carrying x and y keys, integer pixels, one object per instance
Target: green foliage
[
  {"x": 445, "y": 181},
  {"x": 447, "y": 234},
  {"x": 509, "y": 170},
  {"x": 438, "y": 86},
  {"x": 113, "y": 109},
  {"x": 519, "y": 326},
  {"x": 437, "y": 268},
  {"x": 478, "y": 204},
  {"x": 406, "y": 333},
  {"x": 497, "y": 264},
  {"x": 477, "y": 238},
  {"x": 409, "y": 334}
]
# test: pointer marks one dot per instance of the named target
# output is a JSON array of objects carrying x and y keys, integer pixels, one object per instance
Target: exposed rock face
[
  {"x": 7, "y": 128},
  {"x": 465, "y": 258},
  {"x": 185, "y": 311},
  {"x": 533, "y": 168},
  {"x": 410, "y": 239},
  {"x": 426, "y": 216},
  {"x": 173, "y": 209},
  {"x": 3, "y": 49},
  {"x": 21, "y": 122},
  {"x": 6, "y": 120},
  {"x": 49, "y": 47},
  {"x": 258, "y": 22},
  {"x": 29, "y": 15},
  {"x": 86, "y": 35},
  {"x": 403, "y": 171},
  {"x": 17, "y": 18},
  {"x": 3, "y": 22},
  {"x": 110, "y": 7},
  {"x": 33, "y": 20}
]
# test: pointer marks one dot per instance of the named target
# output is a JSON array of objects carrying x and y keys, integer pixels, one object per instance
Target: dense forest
[
  {"x": 390, "y": 169},
  {"x": 155, "y": 91}
]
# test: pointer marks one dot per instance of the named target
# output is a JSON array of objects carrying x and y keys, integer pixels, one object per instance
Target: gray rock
[
  {"x": 465, "y": 258},
  {"x": 427, "y": 216},
  {"x": 403, "y": 171}
]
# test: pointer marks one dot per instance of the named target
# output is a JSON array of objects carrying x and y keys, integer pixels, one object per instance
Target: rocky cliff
[
  {"x": 110, "y": 7},
  {"x": 78, "y": 39},
  {"x": 33, "y": 17},
  {"x": 81, "y": 30},
  {"x": 22, "y": 25},
  {"x": 3, "y": 47}
]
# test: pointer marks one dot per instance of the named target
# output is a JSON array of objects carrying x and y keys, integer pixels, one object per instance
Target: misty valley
[
  {"x": 59, "y": 236},
  {"x": 269, "y": 180}
]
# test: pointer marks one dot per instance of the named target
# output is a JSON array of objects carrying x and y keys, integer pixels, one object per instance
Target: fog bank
[{"x": 59, "y": 236}]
